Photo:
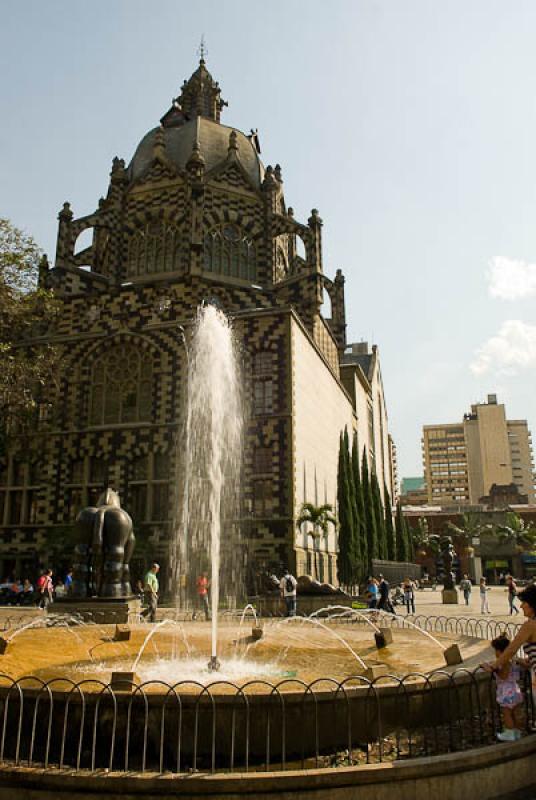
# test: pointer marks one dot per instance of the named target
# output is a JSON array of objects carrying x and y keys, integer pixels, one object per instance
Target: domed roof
[{"x": 213, "y": 138}]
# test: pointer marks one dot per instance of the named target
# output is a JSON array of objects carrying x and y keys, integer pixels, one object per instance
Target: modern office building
[
  {"x": 464, "y": 461},
  {"x": 413, "y": 491}
]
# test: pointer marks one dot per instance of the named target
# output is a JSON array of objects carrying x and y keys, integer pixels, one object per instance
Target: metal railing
[{"x": 187, "y": 727}]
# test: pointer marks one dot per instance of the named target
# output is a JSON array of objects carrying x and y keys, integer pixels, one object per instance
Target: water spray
[{"x": 214, "y": 665}]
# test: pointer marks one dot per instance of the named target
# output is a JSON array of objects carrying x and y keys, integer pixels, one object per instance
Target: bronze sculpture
[{"x": 104, "y": 550}]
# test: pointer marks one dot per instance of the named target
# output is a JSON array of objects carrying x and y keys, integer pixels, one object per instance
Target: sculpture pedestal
[
  {"x": 449, "y": 596},
  {"x": 104, "y": 610}
]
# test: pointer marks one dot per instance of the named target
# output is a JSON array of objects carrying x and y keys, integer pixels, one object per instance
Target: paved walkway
[{"x": 429, "y": 602}]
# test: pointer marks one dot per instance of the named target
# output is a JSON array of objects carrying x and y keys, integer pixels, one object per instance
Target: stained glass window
[
  {"x": 121, "y": 387},
  {"x": 228, "y": 251}
]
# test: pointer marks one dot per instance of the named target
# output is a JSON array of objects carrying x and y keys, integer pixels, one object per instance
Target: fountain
[
  {"x": 183, "y": 696},
  {"x": 212, "y": 444}
]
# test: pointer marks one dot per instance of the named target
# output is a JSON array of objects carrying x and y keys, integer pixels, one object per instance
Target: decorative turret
[
  {"x": 159, "y": 145},
  {"x": 196, "y": 163},
  {"x": 315, "y": 254},
  {"x": 233, "y": 144},
  {"x": 200, "y": 95},
  {"x": 64, "y": 241}
]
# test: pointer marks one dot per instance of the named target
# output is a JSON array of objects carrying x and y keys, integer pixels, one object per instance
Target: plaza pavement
[{"x": 428, "y": 602}]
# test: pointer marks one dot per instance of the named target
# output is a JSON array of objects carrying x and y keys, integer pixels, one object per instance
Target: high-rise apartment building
[{"x": 462, "y": 461}]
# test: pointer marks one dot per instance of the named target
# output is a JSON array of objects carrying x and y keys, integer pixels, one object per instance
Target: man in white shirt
[{"x": 287, "y": 585}]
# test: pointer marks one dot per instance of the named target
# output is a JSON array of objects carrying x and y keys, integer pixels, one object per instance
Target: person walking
[
  {"x": 150, "y": 591},
  {"x": 466, "y": 587},
  {"x": 384, "y": 603},
  {"x": 408, "y": 587},
  {"x": 484, "y": 604},
  {"x": 371, "y": 592},
  {"x": 288, "y": 587},
  {"x": 68, "y": 582},
  {"x": 202, "y": 585},
  {"x": 511, "y": 588},
  {"x": 44, "y": 589}
]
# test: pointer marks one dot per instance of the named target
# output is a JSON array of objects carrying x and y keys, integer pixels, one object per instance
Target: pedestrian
[
  {"x": 511, "y": 588},
  {"x": 466, "y": 587},
  {"x": 509, "y": 695},
  {"x": 202, "y": 586},
  {"x": 525, "y": 637},
  {"x": 150, "y": 590},
  {"x": 371, "y": 592},
  {"x": 44, "y": 589},
  {"x": 27, "y": 593},
  {"x": 384, "y": 603},
  {"x": 408, "y": 587},
  {"x": 68, "y": 582},
  {"x": 288, "y": 587},
  {"x": 483, "y": 589}
]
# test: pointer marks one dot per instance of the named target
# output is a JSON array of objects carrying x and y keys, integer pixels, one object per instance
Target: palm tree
[
  {"x": 472, "y": 526},
  {"x": 319, "y": 517},
  {"x": 516, "y": 531}
]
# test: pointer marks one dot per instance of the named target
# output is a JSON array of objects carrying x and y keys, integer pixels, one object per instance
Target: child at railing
[{"x": 509, "y": 695}]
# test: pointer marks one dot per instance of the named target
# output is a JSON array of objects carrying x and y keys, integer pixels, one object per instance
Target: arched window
[
  {"x": 228, "y": 251},
  {"x": 152, "y": 249},
  {"x": 121, "y": 387}
]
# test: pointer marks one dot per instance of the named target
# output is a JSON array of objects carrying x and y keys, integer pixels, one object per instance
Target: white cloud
[
  {"x": 510, "y": 279},
  {"x": 511, "y": 350}
]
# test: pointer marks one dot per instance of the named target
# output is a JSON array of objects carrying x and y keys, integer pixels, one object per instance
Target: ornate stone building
[{"x": 195, "y": 216}]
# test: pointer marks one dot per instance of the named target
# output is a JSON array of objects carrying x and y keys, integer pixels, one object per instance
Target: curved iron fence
[{"x": 187, "y": 727}]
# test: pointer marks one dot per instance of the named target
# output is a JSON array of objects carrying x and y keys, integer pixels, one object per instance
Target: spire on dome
[{"x": 200, "y": 95}]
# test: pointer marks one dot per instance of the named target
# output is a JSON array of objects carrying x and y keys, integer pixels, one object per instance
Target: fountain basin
[{"x": 273, "y": 704}]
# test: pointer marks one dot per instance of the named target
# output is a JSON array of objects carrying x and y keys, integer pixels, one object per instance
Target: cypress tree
[
  {"x": 401, "y": 535},
  {"x": 354, "y": 544},
  {"x": 370, "y": 521},
  {"x": 390, "y": 533},
  {"x": 344, "y": 555},
  {"x": 378, "y": 516},
  {"x": 409, "y": 539},
  {"x": 361, "y": 528}
]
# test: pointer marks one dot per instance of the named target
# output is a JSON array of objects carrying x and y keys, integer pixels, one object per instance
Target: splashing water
[
  {"x": 318, "y": 624},
  {"x": 212, "y": 441}
]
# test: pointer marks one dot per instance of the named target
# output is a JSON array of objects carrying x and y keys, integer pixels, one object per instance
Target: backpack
[{"x": 289, "y": 584}]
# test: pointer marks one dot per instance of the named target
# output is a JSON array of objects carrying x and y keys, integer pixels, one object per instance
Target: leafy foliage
[
  {"x": 517, "y": 531},
  {"x": 345, "y": 565},
  {"x": 472, "y": 525},
  {"x": 320, "y": 518},
  {"x": 390, "y": 533},
  {"x": 25, "y": 367}
]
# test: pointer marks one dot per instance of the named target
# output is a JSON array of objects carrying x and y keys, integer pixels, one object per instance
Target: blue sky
[{"x": 409, "y": 124}]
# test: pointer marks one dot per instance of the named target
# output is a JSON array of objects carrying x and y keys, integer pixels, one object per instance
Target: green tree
[
  {"x": 370, "y": 520},
  {"x": 320, "y": 518},
  {"x": 402, "y": 535},
  {"x": 472, "y": 525},
  {"x": 360, "y": 526},
  {"x": 355, "y": 550},
  {"x": 345, "y": 565},
  {"x": 515, "y": 530},
  {"x": 26, "y": 311},
  {"x": 390, "y": 533},
  {"x": 378, "y": 516}
]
